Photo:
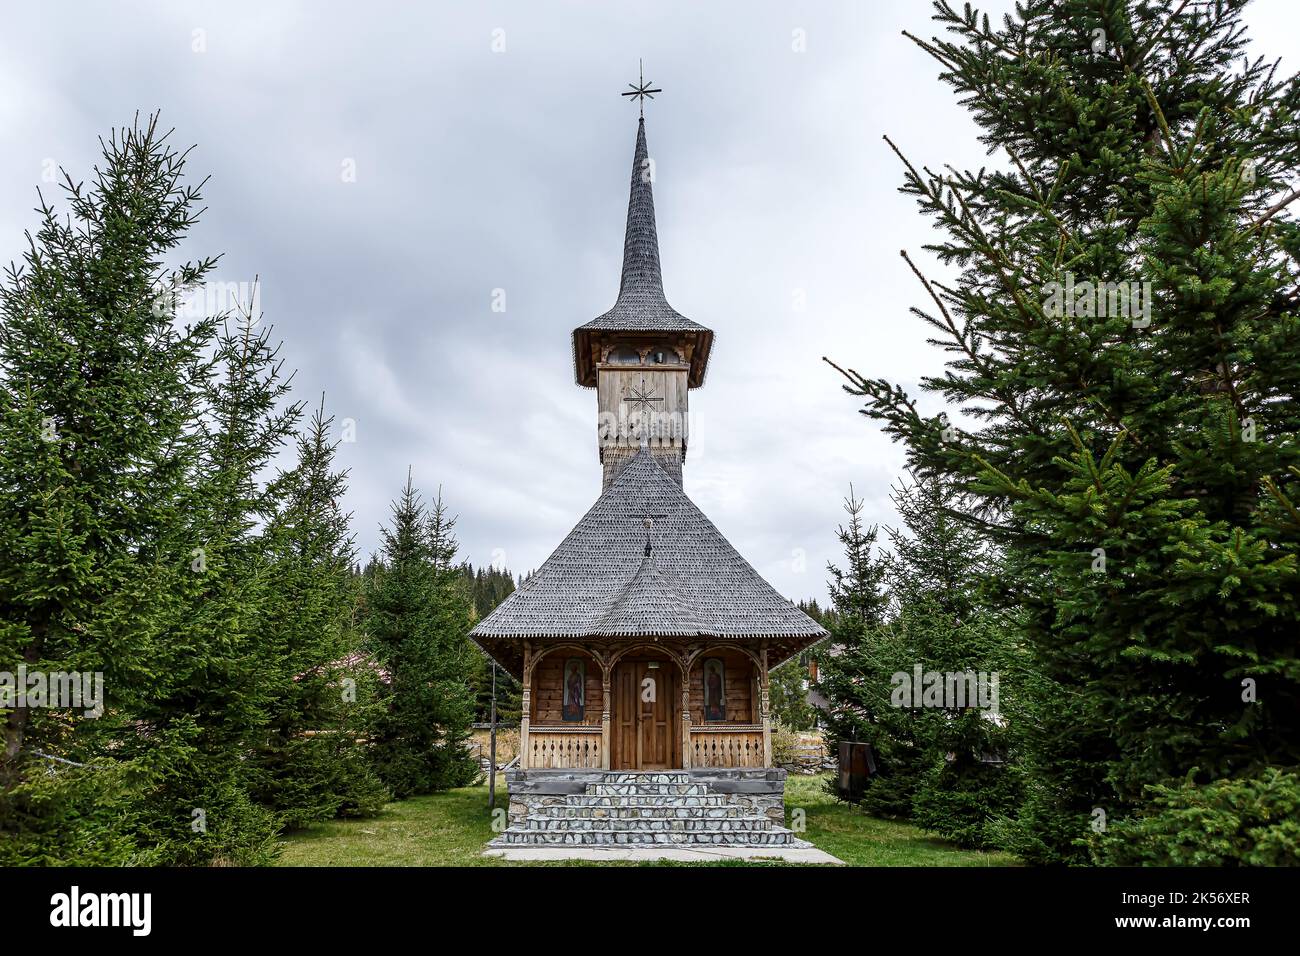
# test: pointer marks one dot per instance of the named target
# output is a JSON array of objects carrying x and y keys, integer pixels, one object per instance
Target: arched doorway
[{"x": 645, "y": 723}]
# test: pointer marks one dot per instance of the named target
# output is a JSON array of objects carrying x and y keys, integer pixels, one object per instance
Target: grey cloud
[{"x": 478, "y": 171}]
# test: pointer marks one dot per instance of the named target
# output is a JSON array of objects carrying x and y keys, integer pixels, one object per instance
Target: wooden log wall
[{"x": 740, "y": 676}]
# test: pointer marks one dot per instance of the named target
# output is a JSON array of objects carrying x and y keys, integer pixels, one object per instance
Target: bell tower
[{"x": 642, "y": 356}]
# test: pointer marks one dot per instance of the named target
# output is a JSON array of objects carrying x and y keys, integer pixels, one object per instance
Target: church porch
[{"x": 645, "y": 706}]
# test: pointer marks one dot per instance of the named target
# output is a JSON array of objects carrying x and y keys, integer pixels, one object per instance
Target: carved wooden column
[
  {"x": 526, "y": 706},
  {"x": 686, "y": 712},
  {"x": 604, "y": 711},
  {"x": 763, "y": 700}
]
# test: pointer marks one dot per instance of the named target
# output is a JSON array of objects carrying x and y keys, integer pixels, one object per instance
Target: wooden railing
[
  {"x": 738, "y": 746},
  {"x": 564, "y": 747}
]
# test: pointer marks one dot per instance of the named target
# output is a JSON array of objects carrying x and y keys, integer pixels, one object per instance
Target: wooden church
[{"x": 644, "y": 641}]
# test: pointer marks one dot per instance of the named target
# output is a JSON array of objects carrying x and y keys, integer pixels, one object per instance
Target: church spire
[
  {"x": 642, "y": 280},
  {"x": 642, "y": 356},
  {"x": 641, "y": 308}
]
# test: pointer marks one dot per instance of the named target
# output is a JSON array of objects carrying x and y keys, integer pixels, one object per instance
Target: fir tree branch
[
  {"x": 1275, "y": 209},
  {"x": 1147, "y": 47},
  {"x": 1282, "y": 499}
]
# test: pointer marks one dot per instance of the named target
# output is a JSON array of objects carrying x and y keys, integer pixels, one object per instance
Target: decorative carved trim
[
  {"x": 727, "y": 729},
  {"x": 546, "y": 650},
  {"x": 666, "y": 650},
  {"x": 566, "y": 728},
  {"x": 701, "y": 650}
]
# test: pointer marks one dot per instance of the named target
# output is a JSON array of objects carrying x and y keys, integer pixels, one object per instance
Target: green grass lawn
[
  {"x": 843, "y": 830},
  {"x": 450, "y": 829}
]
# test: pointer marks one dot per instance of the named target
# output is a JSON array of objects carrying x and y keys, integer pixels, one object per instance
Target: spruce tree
[
  {"x": 212, "y": 700},
  {"x": 418, "y": 620},
  {"x": 938, "y": 570},
  {"x": 940, "y": 762},
  {"x": 99, "y": 388},
  {"x": 490, "y": 587},
  {"x": 1133, "y": 447},
  {"x": 789, "y": 695},
  {"x": 453, "y": 653},
  {"x": 855, "y": 664},
  {"x": 509, "y": 691},
  {"x": 313, "y": 764},
  {"x": 792, "y": 681}
]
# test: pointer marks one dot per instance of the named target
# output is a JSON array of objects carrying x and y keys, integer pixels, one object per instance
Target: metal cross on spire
[{"x": 643, "y": 91}]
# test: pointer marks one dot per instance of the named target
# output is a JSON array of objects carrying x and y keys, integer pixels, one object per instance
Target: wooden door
[
  {"x": 642, "y": 718},
  {"x": 622, "y": 747}
]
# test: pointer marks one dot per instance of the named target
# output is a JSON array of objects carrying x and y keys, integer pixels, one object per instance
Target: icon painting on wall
[
  {"x": 575, "y": 688},
  {"x": 715, "y": 704}
]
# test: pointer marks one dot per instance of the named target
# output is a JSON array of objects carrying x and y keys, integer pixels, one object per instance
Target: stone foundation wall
[{"x": 760, "y": 791}]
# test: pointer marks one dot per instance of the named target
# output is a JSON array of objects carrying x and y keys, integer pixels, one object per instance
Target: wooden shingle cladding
[
  {"x": 645, "y": 576},
  {"x": 641, "y": 307},
  {"x": 604, "y": 583}
]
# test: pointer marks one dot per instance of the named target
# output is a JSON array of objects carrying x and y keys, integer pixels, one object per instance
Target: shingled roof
[
  {"x": 641, "y": 305},
  {"x": 645, "y": 562}
]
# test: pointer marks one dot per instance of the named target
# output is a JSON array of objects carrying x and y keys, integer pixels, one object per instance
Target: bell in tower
[{"x": 642, "y": 356}]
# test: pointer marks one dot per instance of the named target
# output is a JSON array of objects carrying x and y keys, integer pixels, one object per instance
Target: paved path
[{"x": 702, "y": 854}]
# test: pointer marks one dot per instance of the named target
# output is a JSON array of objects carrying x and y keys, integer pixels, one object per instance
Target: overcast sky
[{"x": 492, "y": 151}]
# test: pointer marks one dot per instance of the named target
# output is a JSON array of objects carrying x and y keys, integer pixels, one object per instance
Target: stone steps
[
  {"x": 648, "y": 790},
  {"x": 657, "y": 812},
  {"x": 622, "y": 838},
  {"x": 647, "y": 776},
  {"x": 753, "y": 823},
  {"x": 643, "y": 800},
  {"x": 646, "y": 809}
]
